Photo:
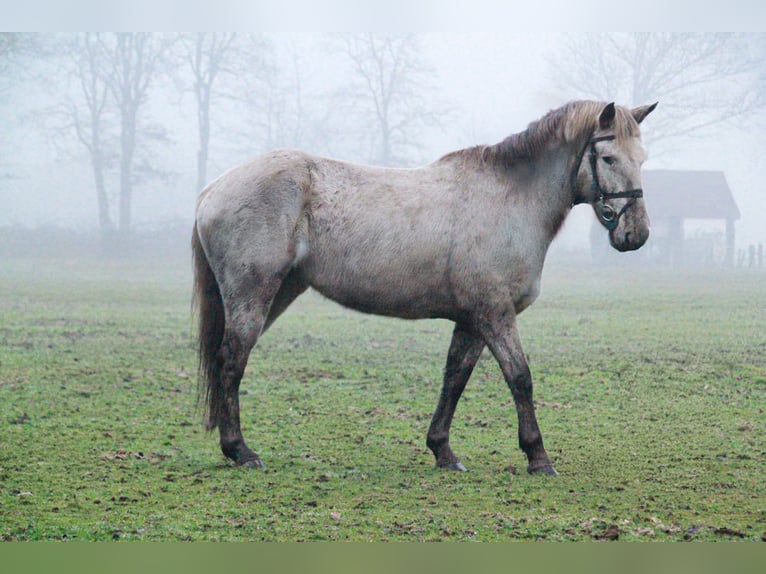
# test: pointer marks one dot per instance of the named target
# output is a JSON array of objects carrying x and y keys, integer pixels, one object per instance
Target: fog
[{"x": 310, "y": 91}]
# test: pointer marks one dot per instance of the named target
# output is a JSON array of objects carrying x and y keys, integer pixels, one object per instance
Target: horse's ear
[
  {"x": 641, "y": 112},
  {"x": 606, "y": 119}
]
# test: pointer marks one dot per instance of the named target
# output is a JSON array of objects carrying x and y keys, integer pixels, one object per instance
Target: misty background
[{"x": 108, "y": 138}]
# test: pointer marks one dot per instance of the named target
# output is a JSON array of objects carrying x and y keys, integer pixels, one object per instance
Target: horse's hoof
[
  {"x": 454, "y": 466},
  {"x": 545, "y": 469},
  {"x": 253, "y": 463}
]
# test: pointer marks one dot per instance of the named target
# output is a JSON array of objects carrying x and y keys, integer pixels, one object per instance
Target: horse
[{"x": 463, "y": 238}]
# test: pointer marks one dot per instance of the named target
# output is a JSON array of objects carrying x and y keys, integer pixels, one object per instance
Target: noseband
[{"x": 607, "y": 216}]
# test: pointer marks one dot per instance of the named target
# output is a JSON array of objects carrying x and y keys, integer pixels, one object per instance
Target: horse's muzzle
[{"x": 630, "y": 237}]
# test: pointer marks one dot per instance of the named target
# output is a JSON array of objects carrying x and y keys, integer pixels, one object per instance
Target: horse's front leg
[
  {"x": 502, "y": 337},
  {"x": 464, "y": 351}
]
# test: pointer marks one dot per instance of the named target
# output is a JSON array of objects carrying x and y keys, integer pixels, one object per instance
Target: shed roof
[{"x": 688, "y": 194}]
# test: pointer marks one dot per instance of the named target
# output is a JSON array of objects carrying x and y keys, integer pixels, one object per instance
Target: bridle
[{"x": 606, "y": 214}]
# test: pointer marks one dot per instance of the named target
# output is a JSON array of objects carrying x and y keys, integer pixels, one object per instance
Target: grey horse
[{"x": 463, "y": 238}]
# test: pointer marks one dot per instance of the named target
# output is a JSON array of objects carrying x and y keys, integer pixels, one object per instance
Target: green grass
[{"x": 651, "y": 389}]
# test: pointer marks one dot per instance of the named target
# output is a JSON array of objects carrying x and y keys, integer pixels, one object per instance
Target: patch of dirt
[
  {"x": 20, "y": 420},
  {"x": 726, "y": 531},
  {"x": 554, "y": 406},
  {"x": 122, "y": 454},
  {"x": 611, "y": 532}
]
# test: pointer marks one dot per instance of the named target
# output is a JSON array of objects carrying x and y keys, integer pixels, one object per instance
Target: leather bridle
[{"x": 606, "y": 214}]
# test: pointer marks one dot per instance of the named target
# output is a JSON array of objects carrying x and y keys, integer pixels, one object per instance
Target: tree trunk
[
  {"x": 97, "y": 163},
  {"x": 127, "y": 148},
  {"x": 105, "y": 227},
  {"x": 203, "y": 116}
]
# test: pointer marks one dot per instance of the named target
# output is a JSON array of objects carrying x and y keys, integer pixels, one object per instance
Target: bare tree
[
  {"x": 229, "y": 79},
  {"x": 18, "y": 51},
  {"x": 286, "y": 119},
  {"x": 131, "y": 63},
  {"x": 210, "y": 56},
  {"x": 86, "y": 113},
  {"x": 702, "y": 79},
  {"x": 112, "y": 74},
  {"x": 389, "y": 81}
]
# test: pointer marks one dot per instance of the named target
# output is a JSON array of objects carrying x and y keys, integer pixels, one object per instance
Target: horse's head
[{"x": 609, "y": 176}]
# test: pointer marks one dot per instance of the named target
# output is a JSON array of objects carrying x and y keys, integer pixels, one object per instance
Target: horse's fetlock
[
  {"x": 232, "y": 447},
  {"x": 436, "y": 441},
  {"x": 531, "y": 442}
]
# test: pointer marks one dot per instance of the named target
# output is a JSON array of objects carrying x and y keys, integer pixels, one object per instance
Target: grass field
[{"x": 650, "y": 388}]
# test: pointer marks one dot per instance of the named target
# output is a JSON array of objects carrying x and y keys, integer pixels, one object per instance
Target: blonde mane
[{"x": 569, "y": 123}]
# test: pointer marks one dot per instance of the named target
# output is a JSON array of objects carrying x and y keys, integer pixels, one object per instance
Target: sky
[{"x": 452, "y": 16}]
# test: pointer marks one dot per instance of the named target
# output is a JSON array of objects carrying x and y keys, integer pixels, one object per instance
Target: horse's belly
[
  {"x": 407, "y": 291},
  {"x": 388, "y": 260},
  {"x": 390, "y": 307}
]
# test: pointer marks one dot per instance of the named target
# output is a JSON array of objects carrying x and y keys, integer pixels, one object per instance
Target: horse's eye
[{"x": 608, "y": 159}]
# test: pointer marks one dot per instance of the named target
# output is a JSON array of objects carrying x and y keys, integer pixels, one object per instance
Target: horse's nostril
[{"x": 627, "y": 237}]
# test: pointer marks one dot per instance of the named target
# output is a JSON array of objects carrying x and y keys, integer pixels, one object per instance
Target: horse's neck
[{"x": 551, "y": 178}]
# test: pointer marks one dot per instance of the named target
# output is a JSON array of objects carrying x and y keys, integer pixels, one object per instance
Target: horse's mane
[{"x": 566, "y": 124}]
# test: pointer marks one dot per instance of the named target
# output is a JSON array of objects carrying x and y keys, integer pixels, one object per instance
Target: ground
[{"x": 650, "y": 388}]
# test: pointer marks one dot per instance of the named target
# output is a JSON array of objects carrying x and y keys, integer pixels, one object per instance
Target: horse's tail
[{"x": 207, "y": 304}]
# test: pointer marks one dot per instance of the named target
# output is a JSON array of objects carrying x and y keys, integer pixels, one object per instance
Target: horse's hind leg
[
  {"x": 247, "y": 310},
  {"x": 250, "y": 310},
  {"x": 248, "y": 237},
  {"x": 241, "y": 334},
  {"x": 464, "y": 351}
]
